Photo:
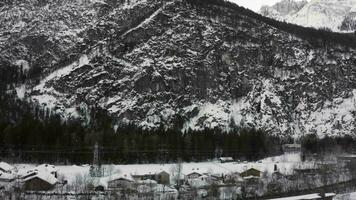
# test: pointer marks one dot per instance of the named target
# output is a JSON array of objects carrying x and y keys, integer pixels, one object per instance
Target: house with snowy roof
[
  {"x": 6, "y": 177},
  {"x": 161, "y": 177},
  {"x": 121, "y": 182},
  {"x": 139, "y": 177},
  {"x": 39, "y": 181},
  {"x": 226, "y": 159},
  {"x": 5, "y": 167},
  {"x": 193, "y": 175},
  {"x": 251, "y": 172},
  {"x": 204, "y": 180},
  {"x": 47, "y": 168}
]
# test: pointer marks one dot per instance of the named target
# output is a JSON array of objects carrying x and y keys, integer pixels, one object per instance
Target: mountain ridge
[
  {"x": 335, "y": 15},
  {"x": 187, "y": 64}
]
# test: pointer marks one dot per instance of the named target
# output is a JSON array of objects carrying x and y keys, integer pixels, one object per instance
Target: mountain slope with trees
[{"x": 179, "y": 65}]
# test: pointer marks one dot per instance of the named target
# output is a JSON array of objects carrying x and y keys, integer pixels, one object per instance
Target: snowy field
[{"x": 285, "y": 164}]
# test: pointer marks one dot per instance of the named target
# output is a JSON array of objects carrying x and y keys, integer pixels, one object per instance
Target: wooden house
[
  {"x": 162, "y": 178},
  {"x": 40, "y": 181},
  {"x": 121, "y": 182},
  {"x": 251, "y": 172},
  {"x": 140, "y": 177},
  {"x": 193, "y": 175}
]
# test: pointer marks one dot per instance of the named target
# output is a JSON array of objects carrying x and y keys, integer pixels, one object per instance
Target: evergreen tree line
[
  {"x": 52, "y": 140},
  {"x": 312, "y": 144}
]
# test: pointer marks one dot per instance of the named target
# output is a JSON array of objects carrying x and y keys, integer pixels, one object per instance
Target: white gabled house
[
  {"x": 121, "y": 182},
  {"x": 193, "y": 175},
  {"x": 6, "y": 177},
  {"x": 7, "y": 168}
]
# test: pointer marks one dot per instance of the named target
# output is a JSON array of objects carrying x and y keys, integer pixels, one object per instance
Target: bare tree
[{"x": 176, "y": 171}]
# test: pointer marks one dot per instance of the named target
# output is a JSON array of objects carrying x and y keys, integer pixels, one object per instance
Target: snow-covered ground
[
  {"x": 285, "y": 164},
  {"x": 347, "y": 196}
]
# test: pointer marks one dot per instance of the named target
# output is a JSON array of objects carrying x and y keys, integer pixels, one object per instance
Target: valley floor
[{"x": 276, "y": 174}]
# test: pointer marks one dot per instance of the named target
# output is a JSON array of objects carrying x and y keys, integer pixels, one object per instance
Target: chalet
[
  {"x": 139, "y": 177},
  {"x": 204, "y": 180},
  {"x": 6, "y": 177},
  {"x": 251, "y": 180},
  {"x": 121, "y": 182},
  {"x": 251, "y": 172},
  {"x": 292, "y": 148},
  {"x": 226, "y": 159},
  {"x": 251, "y": 184},
  {"x": 5, "y": 167},
  {"x": 162, "y": 178},
  {"x": 193, "y": 175},
  {"x": 40, "y": 181}
]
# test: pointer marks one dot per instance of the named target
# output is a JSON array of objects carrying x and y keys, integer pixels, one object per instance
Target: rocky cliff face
[
  {"x": 336, "y": 15},
  {"x": 283, "y": 10},
  {"x": 156, "y": 63}
]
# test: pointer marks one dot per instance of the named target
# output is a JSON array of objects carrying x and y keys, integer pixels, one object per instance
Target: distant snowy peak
[
  {"x": 284, "y": 9},
  {"x": 349, "y": 21},
  {"x": 336, "y": 15}
]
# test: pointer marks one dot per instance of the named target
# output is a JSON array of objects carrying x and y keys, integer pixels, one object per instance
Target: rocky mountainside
[
  {"x": 336, "y": 15},
  {"x": 283, "y": 10},
  {"x": 180, "y": 63}
]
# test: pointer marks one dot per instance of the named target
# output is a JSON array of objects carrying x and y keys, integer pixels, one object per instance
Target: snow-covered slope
[
  {"x": 283, "y": 10},
  {"x": 170, "y": 63},
  {"x": 329, "y": 14}
]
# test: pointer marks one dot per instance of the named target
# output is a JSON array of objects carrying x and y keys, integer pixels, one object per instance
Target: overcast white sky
[{"x": 254, "y": 5}]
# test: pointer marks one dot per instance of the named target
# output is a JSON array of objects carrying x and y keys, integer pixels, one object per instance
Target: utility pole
[{"x": 96, "y": 167}]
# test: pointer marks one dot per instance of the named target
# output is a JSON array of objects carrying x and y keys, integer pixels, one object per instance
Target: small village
[{"x": 265, "y": 178}]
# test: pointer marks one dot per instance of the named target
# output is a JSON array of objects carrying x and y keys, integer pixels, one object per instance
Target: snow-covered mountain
[
  {"x": 337, "y": 15},
  {"x": 155, "y": 62},
  {"x": 283, "y": 10}
]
